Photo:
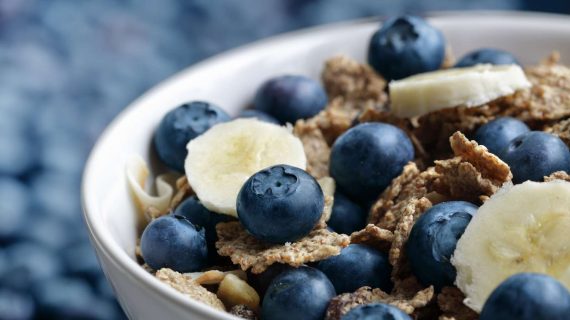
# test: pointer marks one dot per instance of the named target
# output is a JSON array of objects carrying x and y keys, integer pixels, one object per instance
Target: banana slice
[
  {"x": 471, "y": 86},
  {"x": 522, "y": 228},
  {"x": 222, "y": 159}
]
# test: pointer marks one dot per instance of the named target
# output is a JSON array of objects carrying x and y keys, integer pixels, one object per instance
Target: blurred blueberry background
[{"x": 67, "y": 67}]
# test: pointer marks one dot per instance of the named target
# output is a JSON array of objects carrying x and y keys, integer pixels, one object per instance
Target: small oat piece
[
  {"x": 562, "y": 130},
  {"x": 235, "y": 291},
  {"x": 558, "y": 175},
  {"x": 248, "y": 252},
  {"x": 472, "y": 173},
  {"x": 373, "y": 236},
  {"x": 343, "y": 303},
  {"x": 187, "y": 286},
  {"x": 315, "y": 146},
  {"x": 353, "y": 81},
  {"x": 450, "y": 301},
  {"x": 243, "y": 311},
  {"x": 183, "y": 190}
]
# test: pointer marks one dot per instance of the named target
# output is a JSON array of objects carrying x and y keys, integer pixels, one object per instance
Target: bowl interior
[{"x": 231, "y": 79}]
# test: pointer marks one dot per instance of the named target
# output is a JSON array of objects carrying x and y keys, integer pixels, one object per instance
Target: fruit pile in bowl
[{"x": 414, "y": 186}]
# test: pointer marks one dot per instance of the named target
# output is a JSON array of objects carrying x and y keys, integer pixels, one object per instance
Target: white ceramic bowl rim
[{"x": 101, "y": 236}]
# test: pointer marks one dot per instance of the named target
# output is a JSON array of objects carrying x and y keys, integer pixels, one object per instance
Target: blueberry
[
  {"x": 28, "y": 264},
  {"x": 259, "y": 115},
  {"x": 4, "y": 262},
  {"x": 48, "y": 231},
  {"x": 62, "y": 152},
  {"x": 70, "y": 298},
  {"x": 433, "y": 240},
  {"x": 290, "y": 98},
  {"x": 18, "y": 150},
  {"x": 301, "y": 293},
  {"x": 376, "y": 311},
  {"x": 486, "y": 55},
  {"x": 14, "y": 208},
  {"x": 51, "y": 192},
  {"x": 16, "y": 306},
  {"x": 346, "y": 216},
  {"x": 181, "y": 125},
  {"x": 174, "y": 242},
  {"x": 534, "y": 155},
  {"x": 405, "y": 46},
  {"x": 528, "y": 296},
  {"x": 357, "y": 266},
  {"x": 193, "y": 210},
  {"x": 81, "y": 261},
  {"x": 496, "y": 134},
  {"x": 260, "y": 282},
  {"x": 280, "y": 204},
  {"x": 366, "y": 158}
]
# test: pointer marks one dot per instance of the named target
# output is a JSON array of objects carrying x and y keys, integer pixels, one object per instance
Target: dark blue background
[{"x": 66, "y": 69}]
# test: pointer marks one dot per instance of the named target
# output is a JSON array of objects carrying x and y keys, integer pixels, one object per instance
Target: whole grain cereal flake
[
  {"x": 345, "y": 302},
  {"x": 333, "y": 121},
  {"x": 373, "y": 236},
  {"x": 413, "y": 209},
  {"x": 472, "y": 173},
  {"x": 410, "y": 184},
  {"x": 353, "y": 81},
  {"x": 562, "y": 130},
  {"x": 188, "y": 287},
  {"x": 248, "y": 252},
  {"x": 315, "y": 146}
]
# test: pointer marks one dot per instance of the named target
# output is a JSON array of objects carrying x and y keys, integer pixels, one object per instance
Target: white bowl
[{"x": 230, "y": 80}]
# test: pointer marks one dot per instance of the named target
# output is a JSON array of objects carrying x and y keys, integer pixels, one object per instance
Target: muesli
[{"x": 357, "y": 206}]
